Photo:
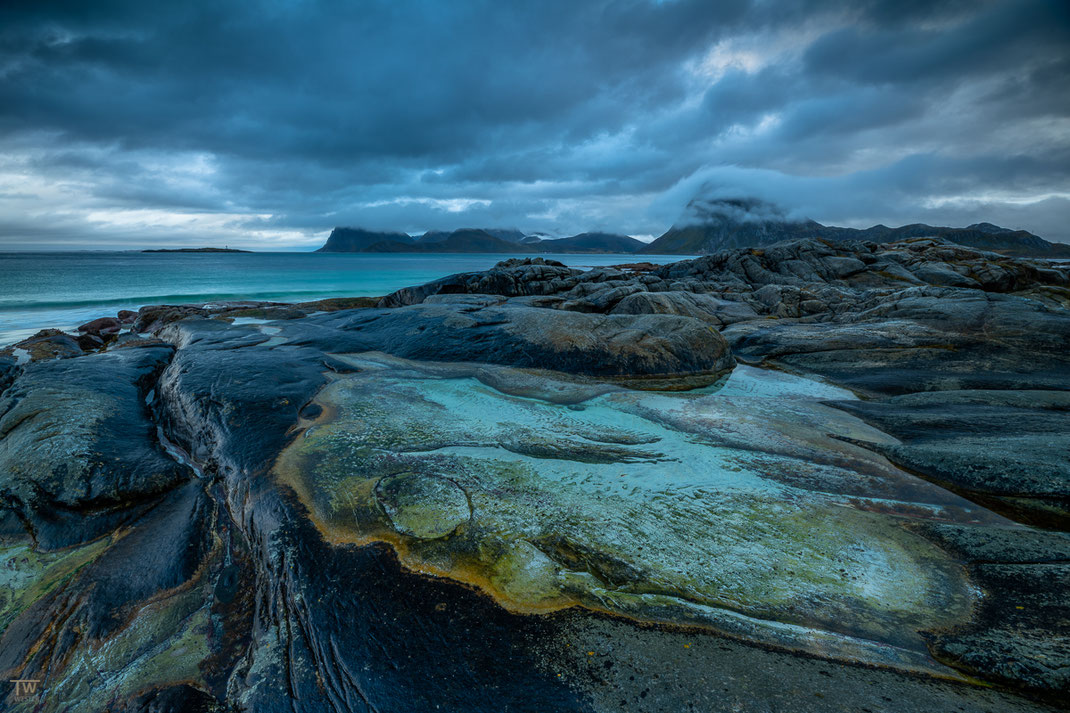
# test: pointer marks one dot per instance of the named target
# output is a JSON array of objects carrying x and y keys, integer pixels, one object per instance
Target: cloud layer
[{"x": 137, "y": 124}]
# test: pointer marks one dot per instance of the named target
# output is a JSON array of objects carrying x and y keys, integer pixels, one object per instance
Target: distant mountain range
[
  {"x": 714, "y": 225},
  {"x": 724, "y": 224},
  {"x": 195, "y": 250},
  {"x": 475, "y": 240}
]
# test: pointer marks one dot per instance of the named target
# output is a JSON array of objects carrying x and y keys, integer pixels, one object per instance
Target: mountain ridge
[
  {"x": 477, "y": 240},
  {"x": 715, "y": 225},
  {"x": 728, "y": 223}
]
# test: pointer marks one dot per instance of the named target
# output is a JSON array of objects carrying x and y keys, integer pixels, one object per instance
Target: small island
[{"x": 195, "y": 250}]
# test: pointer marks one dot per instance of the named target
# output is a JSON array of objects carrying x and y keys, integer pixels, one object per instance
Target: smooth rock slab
[
  {"x": 947, "y": 437},
  {"x": 630, "y": 347},
  {"x": 729, "y": 507},
  {"x": 78, "y": 452}
]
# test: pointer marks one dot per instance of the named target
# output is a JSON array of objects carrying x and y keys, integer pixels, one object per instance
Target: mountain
[
  {"x": 196, "y": 250},
  {"x": 590, "y": 243},
  {"x": 355, "y": 240},
  {"x": 509, "y": 235},
  {"x": 466, "y": 240},
  {"x": 984, "y": 236},
  {"x": 713, "y": 225},
  {"x": 433, "y": 236},
  {"x": 731, "y": 223},
  {"x": 476, "y": 240},
  {"x": 723, "y": 224}
]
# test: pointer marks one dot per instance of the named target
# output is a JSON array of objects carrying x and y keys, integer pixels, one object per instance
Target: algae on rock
[{"x": 743, "y": 506}]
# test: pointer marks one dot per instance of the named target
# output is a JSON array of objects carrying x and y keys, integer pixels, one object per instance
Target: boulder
[
  {"x": 79, "y": 454},
  {"x": 153, "y": 317},
  {"x": 510, "y": 278},
  {"x": 707, "y": 308},
  {"x": 102, "y": 325},
  {"x": 50, "y": 344}
]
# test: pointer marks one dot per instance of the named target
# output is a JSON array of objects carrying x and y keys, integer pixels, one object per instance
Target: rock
[
  {"x": 337, "y": 303},
  {"x": 103, "y": 325},
  {"x": 600, "y": 300},
  {"x": 707, "y": 308},
  {"x": 127, "y": 316},
  {"x": 78, "y": 453},
  {"x": 153, "y": 317},
  {"x": 624, "y": 346},
  {"x": 423, "y": 506},
  {"x": 579, "y": 507},
  {"x": 842, "y": 267},
  {"x": 941, "y": 274},
  {"x": 917, "y": 341},
  {"x": 90, "y": 342},
  {"x": 50, "y": 344},
  {"x": 144, "y": 593},
  {"x": 464, "y": 299},
  {"x": 1021, "y": 635},
  {"x": 947, "y": 438},
  {"x": 510, "y": 278},
  {"x": 8, "y": 369},
  {"x": 269, "y": 313},
  {"x": 131, "y": 339},
  {"x": 1010, "y": 544}
]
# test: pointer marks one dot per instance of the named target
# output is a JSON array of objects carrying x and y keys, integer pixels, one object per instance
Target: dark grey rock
[
  {"x": 153, "y": 317},
  {"x": 707, "y": 308},
  {"x": 1024, "y": 472},
  {"x": 510, "y": 278},
  {"x": 1021, "y": 635},
  {"x": 627, "y": 346},
  {"x": 79, "y": 453}
]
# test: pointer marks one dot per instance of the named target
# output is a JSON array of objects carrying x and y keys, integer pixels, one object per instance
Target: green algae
[
  {"x": 743, "y": 506},
  {"x": 27, "y": 576},
  {"x": 423, "y": 506},
  {"x": 163, "y": 644}
]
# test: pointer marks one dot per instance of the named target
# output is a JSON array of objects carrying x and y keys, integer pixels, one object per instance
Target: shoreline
[{"x": 517, "y": 429}]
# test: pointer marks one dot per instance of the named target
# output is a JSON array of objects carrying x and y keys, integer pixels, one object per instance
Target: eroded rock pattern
[
  {"x": 537, "y": 488},
  {"x": 741, "y": 508}
]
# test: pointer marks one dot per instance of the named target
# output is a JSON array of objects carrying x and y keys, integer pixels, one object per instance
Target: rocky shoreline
[{"x": 815, "y": 475}]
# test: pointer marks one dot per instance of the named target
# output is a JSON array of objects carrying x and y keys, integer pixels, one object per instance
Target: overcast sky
[{"x": 135, "y": 123}]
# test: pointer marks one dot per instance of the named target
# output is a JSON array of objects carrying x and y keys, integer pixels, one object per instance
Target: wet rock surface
[
  {"x": 1005, "y": 448},
  {"x": 457, "y": 498},
  {"x": 78, "y": 450},
  {"x": 423, "y": 506}
]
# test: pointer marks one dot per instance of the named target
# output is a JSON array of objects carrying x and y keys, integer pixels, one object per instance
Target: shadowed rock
[{"x": 79, "y": 453}]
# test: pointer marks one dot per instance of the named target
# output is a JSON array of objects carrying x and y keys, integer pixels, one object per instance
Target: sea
[{"x": 64, "y": 289}]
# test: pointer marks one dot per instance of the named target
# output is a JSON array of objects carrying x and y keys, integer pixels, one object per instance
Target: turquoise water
[{"x": 63, "y": 290}]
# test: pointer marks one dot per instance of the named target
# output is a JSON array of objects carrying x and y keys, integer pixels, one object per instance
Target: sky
[{"x": 130, "y": 124}]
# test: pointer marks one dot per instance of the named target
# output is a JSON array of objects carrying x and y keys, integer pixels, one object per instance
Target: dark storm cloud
[{"x": 133, "y": 122}]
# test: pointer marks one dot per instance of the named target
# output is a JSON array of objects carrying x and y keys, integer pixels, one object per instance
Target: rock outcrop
[{"x": 236, "y": 506}]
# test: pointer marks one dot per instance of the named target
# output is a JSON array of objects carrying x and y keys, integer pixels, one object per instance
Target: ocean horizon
[{"x": 63, "y": 289}]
